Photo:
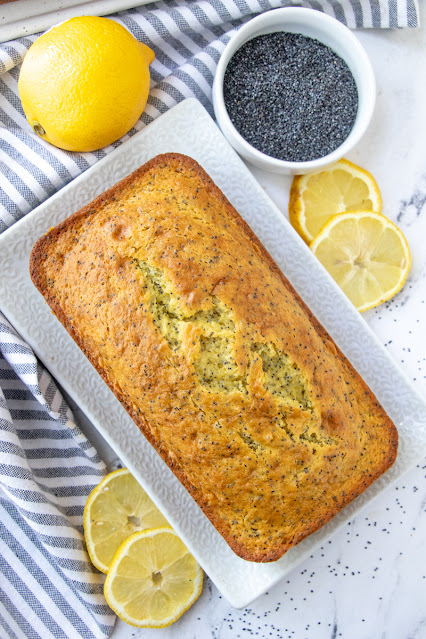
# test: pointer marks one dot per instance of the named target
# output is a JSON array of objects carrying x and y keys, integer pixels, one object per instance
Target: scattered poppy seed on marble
[{"x": 290, "y": 96}]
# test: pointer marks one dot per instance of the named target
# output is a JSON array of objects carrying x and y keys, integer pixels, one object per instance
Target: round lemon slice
[
  {"x": 366, "y": 254},
  {"x": 316, "y": 197},
  {"x": 153, "y": 579},
  {"x": 115, "y": 509}
]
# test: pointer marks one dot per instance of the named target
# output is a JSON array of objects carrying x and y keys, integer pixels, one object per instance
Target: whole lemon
[{"x": 85, "y": 83}]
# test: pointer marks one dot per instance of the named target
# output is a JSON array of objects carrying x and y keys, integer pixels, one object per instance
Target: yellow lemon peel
[{"x": 85, "y": 83}]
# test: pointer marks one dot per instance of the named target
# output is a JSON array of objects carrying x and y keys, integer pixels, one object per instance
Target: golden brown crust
[{"x": 235, "y": 383}]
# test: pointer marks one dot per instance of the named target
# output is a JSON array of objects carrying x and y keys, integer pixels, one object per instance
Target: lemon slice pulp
[
  {"x": 115, "y": 509},
  {"x": 316, "y": 197},
  {"x": 366, "y": 254},
  {"x": 153, "y": 579}
]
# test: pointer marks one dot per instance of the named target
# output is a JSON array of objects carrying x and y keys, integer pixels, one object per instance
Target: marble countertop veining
[{"x": 369, "y": 580}]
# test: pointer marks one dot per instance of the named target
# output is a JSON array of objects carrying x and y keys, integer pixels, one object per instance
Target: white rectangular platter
[{"x": 187, "y": 128}]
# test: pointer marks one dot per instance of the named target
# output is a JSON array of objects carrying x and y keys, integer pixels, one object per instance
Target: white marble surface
[{"x": 369, "y": 580}]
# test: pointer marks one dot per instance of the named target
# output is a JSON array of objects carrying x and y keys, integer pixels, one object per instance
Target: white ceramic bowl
[{"x": 332, "y": 33}]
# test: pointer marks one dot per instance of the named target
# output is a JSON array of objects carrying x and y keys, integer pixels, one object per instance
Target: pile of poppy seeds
[{"x": 290, "y": 96}]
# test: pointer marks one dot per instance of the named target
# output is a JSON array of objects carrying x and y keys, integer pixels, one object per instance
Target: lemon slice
[
  {"x": 115, "y": 509},
  {"x": 153, "y": 579},
  {"x": 366, "y": 254},
  {"x": 315, "y": 197}
]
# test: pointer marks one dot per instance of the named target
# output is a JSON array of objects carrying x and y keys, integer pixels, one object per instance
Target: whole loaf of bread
[{"x": 214, "y": 355}]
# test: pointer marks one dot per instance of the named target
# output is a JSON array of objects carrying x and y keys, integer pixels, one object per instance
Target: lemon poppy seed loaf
[{"x": 213, "y": 354}]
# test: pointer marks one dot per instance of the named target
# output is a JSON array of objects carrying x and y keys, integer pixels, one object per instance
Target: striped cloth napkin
[
  {"x": 48, "y": 588},
  {"x": 188, "y": 37}
]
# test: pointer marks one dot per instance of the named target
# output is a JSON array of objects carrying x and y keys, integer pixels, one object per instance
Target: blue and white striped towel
[
  {"x": 47, "y": 468},
  {"x": 48, "y": 588},
  {"x": 188, "y": 37}
]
